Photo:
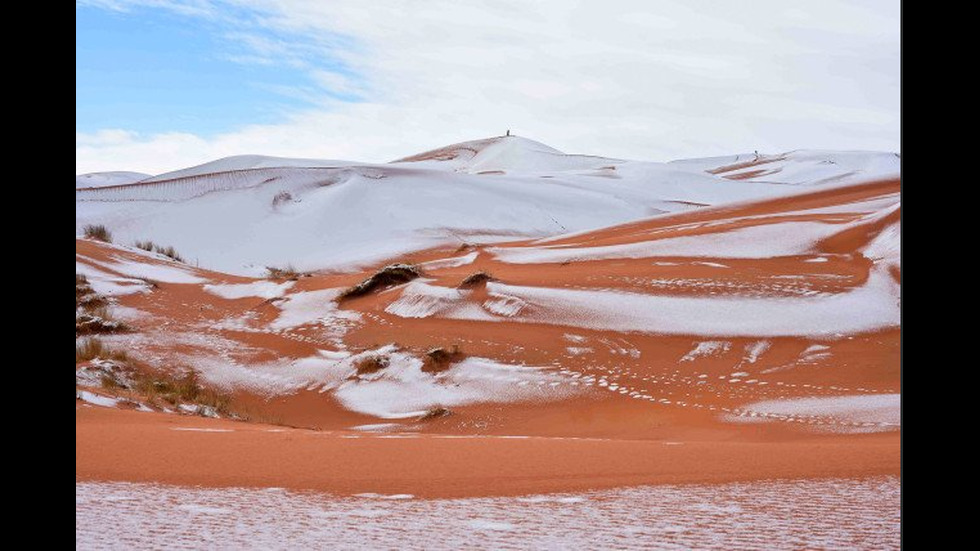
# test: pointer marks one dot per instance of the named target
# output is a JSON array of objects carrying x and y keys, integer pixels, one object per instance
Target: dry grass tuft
[
  {"x": 152, "y": 247},
  {"x": 184, "y": 389},
  {"x": 98, "y": 231},
  {"x": 435, "y": 413},
  {"x": 91, "y": 311},
  {"x": 85, "y": 297},
  {"x": 288, "y": 272},
  {"x": 93, "y": 348},
  {"x": 145, "y": 245},
  {"x": 97, "y": 321}
]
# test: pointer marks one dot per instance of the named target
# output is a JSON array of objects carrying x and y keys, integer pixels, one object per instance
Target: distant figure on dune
[
  {"x": 756, "y": 154},
  {"x": 508, "y": 132}
]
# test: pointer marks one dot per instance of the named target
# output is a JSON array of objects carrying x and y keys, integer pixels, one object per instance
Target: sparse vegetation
[
  {"x": 110, "y": 381},
  {"x": 85, "y": 297},
  {"x": 92, "y": 315},
  {"x": 98, "y": 231},
  {"x": 154, "y": 387},
  {"x": 145, "y": 245},
  {"x": 114, "y": 371},
  {"x": 97, "y": 322},
  {"x": 170, "y": 252},
  {"x": 92, "y": 348},
  {"x": 288, "y": 272},
  {"x": 435, "y": 413},
  {"x": 183, "y": 389},
  {"x": 393, "y": 274},
  {"x": 90, "y": 300},
  {"x": 476, "y": 279},
  {"x": 439, "y": 359},
  {"x": 371, "y": 364},
  {"x": 151, "y": 283},
  {"x": 281, "y": 197},
  {"x": 152, "y": 247}
]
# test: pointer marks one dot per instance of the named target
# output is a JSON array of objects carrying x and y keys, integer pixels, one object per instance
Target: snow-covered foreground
[
  {"x": 240, "y": 214},
  {"x": 811, "y": 514}
]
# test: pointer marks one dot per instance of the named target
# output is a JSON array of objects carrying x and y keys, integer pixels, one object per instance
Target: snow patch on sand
[
  {"x": 260, "y": 289},
  {"x": 454, "y": 262},
  {"x": 761, "y": 241},
  {"x": 107, "y": 284},
  {"x": 858, "y": 413},
  {"x": 707, "y": 348},
  {"x": 402, "y": 390},
  {"x": 504, "y": 305},
  {"x": 312, "y": 306},
  {"x": 372, "y": 495},
  {"x": 870, "y": 307},
  {"x": 156, "y": 272},
  {"x": 96, "y": 399},
  {"x": 419, "y": 299},
  {"x": 756, "y": 349}
]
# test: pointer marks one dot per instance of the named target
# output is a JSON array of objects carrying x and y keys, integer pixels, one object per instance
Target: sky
[{"x": 165, "y": 84}]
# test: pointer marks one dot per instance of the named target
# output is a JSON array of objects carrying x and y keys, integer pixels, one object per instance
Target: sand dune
[
  {"x": 339, "y": 215},
  {"x": 754, "y": 338}
]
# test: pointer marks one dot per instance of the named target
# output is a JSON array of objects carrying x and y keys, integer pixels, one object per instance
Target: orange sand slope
[{"x": 738, "y": 342}]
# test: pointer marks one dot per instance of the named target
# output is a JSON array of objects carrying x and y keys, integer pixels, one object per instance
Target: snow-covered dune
[
  {"x": 100, "y": 179},
  {"x": 245, "y": 162},
  {"x": 240, "y": 214},
  {"x": 812, "y": 167}
]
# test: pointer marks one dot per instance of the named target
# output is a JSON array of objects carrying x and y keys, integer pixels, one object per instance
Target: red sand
[
  {"x": 592, "y": 440},
  {"x": 125, "y": 445}
]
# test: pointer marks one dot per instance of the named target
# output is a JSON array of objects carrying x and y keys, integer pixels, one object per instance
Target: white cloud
[{"x": 652, "y": 80}]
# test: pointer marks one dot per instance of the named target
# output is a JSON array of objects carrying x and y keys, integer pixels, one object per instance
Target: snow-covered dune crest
[{"x": 240, "y": 214}]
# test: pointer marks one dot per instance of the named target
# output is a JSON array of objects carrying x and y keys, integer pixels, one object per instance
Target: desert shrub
[
  {"x": 393, "y": 274},
  {"x": 281, "y": 197},
  {"x": 371, "y": 364},
  {"x": 151, "y": 283},
  {"x": 98, "y": 321},
  {"x": 90, "y": 301},
  {"x": 85, "y": 297},
  {"x": 169, "y": 252},
  {"x": 475, "y": 279},
  {"x": 286, "y": 272},
  {"x": 98, "y": 231},
  {"x": 93, "y": 348},
  {"x": 145, "y": 245},
  {"x": 82, "y": 287},
  {"x": 435, "y": 413},
  {"x": 439, "y": 359},
  {"x": 110, "y": 382},
  {"x": 185, "y": 388},
  {"x": 91, "y": 313}
]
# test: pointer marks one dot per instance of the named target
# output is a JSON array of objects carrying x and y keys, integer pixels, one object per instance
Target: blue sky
[
  {"x": 152, "y": 70},
  {"x": 164, "y": 84}
]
